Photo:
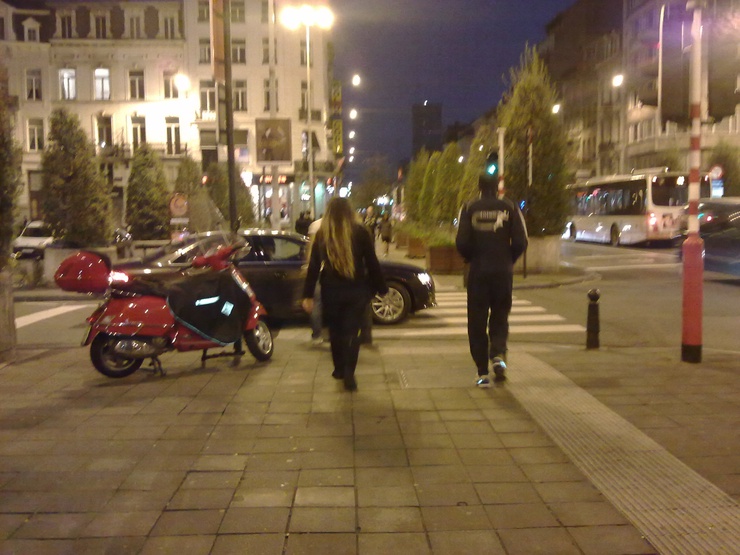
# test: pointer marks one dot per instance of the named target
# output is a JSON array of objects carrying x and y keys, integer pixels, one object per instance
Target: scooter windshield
[{"x": 211, "y": 304}]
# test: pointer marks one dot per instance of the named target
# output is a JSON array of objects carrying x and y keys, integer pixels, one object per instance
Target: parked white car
[{"x": 32, "y": 241}]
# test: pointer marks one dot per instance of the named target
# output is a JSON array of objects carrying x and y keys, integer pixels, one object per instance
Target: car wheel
[{"x": 393, "y": 307}]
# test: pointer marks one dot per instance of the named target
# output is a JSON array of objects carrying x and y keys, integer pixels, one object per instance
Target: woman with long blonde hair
[{"x": 343, "y": 260}]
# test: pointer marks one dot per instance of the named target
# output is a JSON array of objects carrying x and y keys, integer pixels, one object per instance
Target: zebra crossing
[{"x": 449, "y": 319}]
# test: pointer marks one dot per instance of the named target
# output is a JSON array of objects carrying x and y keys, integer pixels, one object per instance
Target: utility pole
[
  {"x": 229, "y": 94},
  {"x": 693, "y": 247},
  {"x": 274, "y": 170}
]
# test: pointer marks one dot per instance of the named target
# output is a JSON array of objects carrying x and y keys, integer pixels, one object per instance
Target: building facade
[
  {"x": 141, "y": 71},
  {"x": 624, "y": 81}
]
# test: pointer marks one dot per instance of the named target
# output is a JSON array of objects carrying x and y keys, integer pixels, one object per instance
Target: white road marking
[
  {"x": 462, "y": 331},
  {"x": 29, "y": 319},
  {"x": 632, "y": 267},
  {"x": 514, "y": 310},
  {"x": 431, "y": 321}
]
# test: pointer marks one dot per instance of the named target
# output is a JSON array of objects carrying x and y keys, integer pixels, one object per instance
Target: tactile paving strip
[{"x": 676, "y": 509}]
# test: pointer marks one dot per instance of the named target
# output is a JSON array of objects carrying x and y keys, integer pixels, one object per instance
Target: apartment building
[
  {"x": 625, "y": 91},
  {"x": 140, "y": 71}
]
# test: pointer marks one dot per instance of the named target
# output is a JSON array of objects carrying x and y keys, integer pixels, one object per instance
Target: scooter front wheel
[
  {"x": 109, "y": 363},
  {"x": 259, "y": 341}
]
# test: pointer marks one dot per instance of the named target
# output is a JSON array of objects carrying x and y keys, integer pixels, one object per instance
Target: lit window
[
  {"x": 105, "y": 131},
  {"x": 68, "y": 84},
  {"x": 102, "y": 83}
]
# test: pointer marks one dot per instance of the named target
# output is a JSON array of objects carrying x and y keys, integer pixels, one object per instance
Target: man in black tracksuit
[{"x": 492, "y": 235}]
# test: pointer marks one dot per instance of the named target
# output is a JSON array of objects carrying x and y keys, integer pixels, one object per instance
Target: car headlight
[{"x": 424, "y": 278}]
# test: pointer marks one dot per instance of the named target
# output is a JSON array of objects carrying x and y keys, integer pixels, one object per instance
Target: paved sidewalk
[{"x": 621, "y": 452}]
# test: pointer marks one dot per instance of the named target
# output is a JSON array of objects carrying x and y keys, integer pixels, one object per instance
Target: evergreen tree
[
  {"x": 482, "y": 145},
  {"x": 414, "y": 184},
  {"x": 245, "y": 204},
  {"x": 426, "y": 213},
  {"x": 189, "y": 176},
  {"x": 147, "y": 209},
  {"x": 447, "y": 184},
  {"x": 217, "y": 183},
  {"x": 10, "y": 166},
  {"x": 528, "y": 109},
  {"x": 728, "y": 157},
  {"x": 75, "y": 198}
]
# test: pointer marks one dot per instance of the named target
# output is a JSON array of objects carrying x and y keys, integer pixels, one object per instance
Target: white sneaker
[
  {"x": 499, "y": 369},
  {"x": 483, "y": 382}
]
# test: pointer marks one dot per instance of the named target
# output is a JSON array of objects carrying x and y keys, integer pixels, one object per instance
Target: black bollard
[{"x": 592, "y": 322}]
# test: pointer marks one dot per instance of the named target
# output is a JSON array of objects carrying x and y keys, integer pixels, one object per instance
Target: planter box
[
  {"x": 444, "y": 259},
  {"x": 401, "y": 239},
  {"x": 417, "y": 248},
  {"x": 542, "y": 256}
]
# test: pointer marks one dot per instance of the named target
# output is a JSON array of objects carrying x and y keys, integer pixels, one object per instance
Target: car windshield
[{"x": 37, "y": 232}]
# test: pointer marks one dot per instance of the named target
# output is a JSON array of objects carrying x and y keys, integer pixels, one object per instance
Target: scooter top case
[{"x": 84, "y": 272}]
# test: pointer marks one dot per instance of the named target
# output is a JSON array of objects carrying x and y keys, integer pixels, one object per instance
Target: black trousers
[
  {"x": 489, "y": 304},
  {"x": 344, "y": 309}
]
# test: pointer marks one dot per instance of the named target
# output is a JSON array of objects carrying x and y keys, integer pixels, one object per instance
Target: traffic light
[{"x": 491, "y": 168}]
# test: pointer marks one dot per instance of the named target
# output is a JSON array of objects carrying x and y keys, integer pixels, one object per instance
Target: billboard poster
[{"x": 273, "y": 140}]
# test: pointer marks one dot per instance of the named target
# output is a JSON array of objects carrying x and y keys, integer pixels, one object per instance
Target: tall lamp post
[{"x": 308, "y": 16}]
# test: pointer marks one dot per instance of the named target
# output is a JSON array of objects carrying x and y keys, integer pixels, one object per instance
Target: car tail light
[{"x": 653, "y": 221}]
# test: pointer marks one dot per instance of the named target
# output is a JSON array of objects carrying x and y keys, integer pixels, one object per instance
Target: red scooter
[{"x": 209, "y": 307}]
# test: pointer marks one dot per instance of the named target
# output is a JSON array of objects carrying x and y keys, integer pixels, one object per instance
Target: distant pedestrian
[
  {"x": 386, "y": 232},
  {"x": 302, "y": 223},
  {"x": 370, "y": 220},
  {"x": 343, "y": 259},
  {"x": 491, "y": 237}
]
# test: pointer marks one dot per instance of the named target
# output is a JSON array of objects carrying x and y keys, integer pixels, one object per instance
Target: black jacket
[
  {"x": 368, "y": 274},
  {"x": 492, "y": 234}
]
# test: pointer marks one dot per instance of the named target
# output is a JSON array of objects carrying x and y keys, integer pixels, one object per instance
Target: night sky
[{"x": 454, "y": 52}]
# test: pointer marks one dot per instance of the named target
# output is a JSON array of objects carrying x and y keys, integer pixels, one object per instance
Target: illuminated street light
[
  {"x": 182, "y": 83},
  {"x": 351, "y": 158},
  {"x": 356, "y": 80},
  {"x": 352, "y": 150},
  {"x": 556, "y": 108},
  {"x": 352, "y": 134},
  {"x": 307, "y": 16},
  {"x": 617, "y": 80},
  {"x": 353, "y": 114}
]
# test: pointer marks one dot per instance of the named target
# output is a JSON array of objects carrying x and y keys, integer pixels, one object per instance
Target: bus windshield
[{"x": 673, "y": 190}]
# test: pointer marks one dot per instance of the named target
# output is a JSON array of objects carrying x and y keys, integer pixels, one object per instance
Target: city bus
[{"x": 646, "y": 205}]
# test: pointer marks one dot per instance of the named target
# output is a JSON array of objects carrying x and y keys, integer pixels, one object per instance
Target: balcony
[{"x": 116, "y": 151}]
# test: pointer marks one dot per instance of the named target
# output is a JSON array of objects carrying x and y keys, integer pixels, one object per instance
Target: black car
[
  {"x": 275, "y": 264},
  {"x": 719, "y": 227}
]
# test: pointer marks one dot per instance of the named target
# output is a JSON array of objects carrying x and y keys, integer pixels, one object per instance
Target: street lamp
[{"x": 308, "y": 16}]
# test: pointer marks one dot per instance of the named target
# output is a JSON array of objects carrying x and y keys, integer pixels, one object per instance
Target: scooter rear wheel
[
  {"x": 259, "y": 341},
  {"x": 107, "y": 362}
]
